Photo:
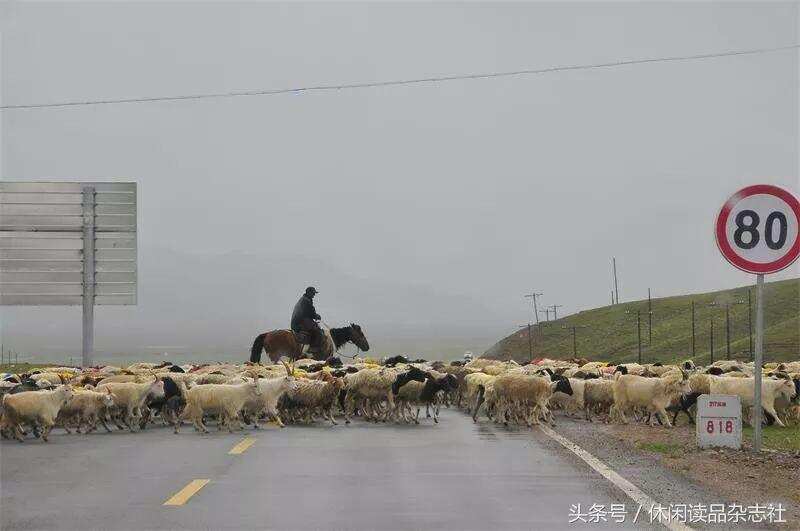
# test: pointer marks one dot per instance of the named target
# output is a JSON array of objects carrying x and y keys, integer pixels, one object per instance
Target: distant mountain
[{"x": 610, "y": 333}]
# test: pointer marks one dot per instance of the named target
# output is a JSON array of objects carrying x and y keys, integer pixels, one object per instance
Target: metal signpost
[
  {"x": 68, "y": 244},
  {"x": 719, "y": 421},
  {"x": 757, "y": 231}
]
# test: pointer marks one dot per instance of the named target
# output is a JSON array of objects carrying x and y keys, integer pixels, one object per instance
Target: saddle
[{"x": 302, "y": 337}]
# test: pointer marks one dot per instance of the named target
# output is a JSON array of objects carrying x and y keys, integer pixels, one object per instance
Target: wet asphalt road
[{"x": 455, "y": 475}]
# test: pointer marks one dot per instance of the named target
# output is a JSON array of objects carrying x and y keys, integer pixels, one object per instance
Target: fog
[{"x": 423, "y": 212}]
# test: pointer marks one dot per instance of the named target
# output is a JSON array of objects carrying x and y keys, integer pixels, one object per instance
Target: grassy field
[
  {"x": 775, "y": 438},
  {"x": 609, "y": 333},
  {"x": 18, "y": 368}
]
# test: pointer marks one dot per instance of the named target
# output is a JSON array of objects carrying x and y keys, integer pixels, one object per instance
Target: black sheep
[{"x": 168, "y": 407}]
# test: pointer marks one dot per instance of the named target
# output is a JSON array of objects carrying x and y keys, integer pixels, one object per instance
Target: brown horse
[{"x": 279, "y": 343}]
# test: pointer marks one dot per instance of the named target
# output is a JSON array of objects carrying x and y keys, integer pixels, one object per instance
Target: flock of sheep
[
  {"x": 647, "y": 391},
  {"x": 396, "y": 390},
  {"x": 141, "y": 394}
]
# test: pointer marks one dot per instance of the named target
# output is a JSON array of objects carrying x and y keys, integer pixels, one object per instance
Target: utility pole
[
  {"x": 614, "y": 267},
  {"x": 638, "y": 331},
  {"x": 555, "y": 308},
  {"x": 639, "y": 334},
  {"x": 649, "y": 319},
  {"x": 574, "y": 328},
  {"x": 546, "y": 312},
  {"x": 712, "y": 339},
  {"x": 693, "y": 329},
  {"x": 728, "y": 331},
  {"x": 533, "y": 296},
  {"x": 612, "y": 297}
]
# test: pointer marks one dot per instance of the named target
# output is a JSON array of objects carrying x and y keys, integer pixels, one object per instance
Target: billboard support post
[{"x": 88, "y": 275}]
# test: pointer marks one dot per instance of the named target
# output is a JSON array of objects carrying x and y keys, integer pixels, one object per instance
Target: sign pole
[
  {"x": 759, "y": 361},
  {"x": 88, "y": 275},
  {"x": 758, "y": 231}
]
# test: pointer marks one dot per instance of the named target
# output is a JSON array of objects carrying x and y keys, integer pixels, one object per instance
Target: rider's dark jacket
[{"x": 304, "y": 309}]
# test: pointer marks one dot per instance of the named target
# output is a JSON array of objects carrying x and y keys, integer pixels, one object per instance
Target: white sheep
[
  {"x": 525, "y": 398},
  {"x": 651, "y": 394},
  {"x": 598, "y": 396},
  {"x": 130, "y": 397},
  {"x": 370, "y": 388},
  {"x": 37, "y": 408},
  {"x": 224, "y": 399},
  {"x": 85, "y": 408},
  {"x": 309, "y": 395},
  {"x": 744, "y": 388},
  {"x": 266, "y": 403}
]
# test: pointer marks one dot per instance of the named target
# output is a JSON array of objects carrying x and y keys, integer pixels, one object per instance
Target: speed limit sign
[{"x": 757, "y": 229}]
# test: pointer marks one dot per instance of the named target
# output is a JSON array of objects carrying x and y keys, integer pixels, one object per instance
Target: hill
[{"x": 610, "y": 333}]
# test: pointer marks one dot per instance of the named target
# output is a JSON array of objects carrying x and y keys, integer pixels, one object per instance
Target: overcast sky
[{"x": 445, "y": 202}]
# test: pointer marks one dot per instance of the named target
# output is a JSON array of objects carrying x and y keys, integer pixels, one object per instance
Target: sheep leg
[
  {"x": 130, "y": 419},
  {"x": 479, "y": 400},
  {"x": 118, "y": 420},
  {"x": 348, "y": 408},
  {"x": 660, "y": 412},
  {"x": 230, "y": 419},
  {"x": 330, "y": 415},
  {"x": 103, "y": 422},
  {"x": 770, "y": 410},
  {"x": 427, "y": 411},
  {"x": 18, "y": 432},
  {"x": 47, "y": 426}
]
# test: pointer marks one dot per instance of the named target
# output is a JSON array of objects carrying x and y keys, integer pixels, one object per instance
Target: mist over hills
[{"x": 200, "y": 306}]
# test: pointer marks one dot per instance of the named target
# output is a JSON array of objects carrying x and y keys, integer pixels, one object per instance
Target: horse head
[{"x": 358, "y": 338}]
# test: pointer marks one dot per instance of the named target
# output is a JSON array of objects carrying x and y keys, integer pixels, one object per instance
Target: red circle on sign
[{"x": 727, "y": 251}]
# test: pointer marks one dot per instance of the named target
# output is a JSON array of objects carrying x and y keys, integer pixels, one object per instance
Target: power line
[{"x": 392, "y": 83}]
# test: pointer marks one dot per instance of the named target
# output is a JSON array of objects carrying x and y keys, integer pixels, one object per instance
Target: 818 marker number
[{"x": 728, "y": 428}]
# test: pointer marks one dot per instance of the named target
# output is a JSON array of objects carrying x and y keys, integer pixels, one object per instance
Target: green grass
[
  {"x": 19, "y": 368},
  {"x": 668, "y": 449},
  {"x": 776, "y": 438},
  {"x": 610, "y": 333}
]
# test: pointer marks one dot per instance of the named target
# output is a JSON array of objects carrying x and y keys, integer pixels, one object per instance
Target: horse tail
[{"x": 258, "y": 346}]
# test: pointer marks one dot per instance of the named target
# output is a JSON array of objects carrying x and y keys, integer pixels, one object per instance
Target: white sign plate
[{"x": 719, "y": 421}]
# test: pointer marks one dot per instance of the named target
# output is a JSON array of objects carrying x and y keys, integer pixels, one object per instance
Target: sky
[{"x": 422, "y": 212}]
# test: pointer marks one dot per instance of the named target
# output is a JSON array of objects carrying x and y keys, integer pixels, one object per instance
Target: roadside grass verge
[
  {"x": 664, "y": 448},
  {"x": 776, "y": 438}
]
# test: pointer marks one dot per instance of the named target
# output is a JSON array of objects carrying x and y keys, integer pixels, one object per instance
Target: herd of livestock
[{"x": 395, "y": 390}]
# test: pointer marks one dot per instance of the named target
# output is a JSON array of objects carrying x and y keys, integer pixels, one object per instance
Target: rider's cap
[{"x": 311, "y": 290}]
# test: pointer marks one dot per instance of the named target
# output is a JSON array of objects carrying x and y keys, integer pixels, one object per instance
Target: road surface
[{"x": 455, "y": 475}]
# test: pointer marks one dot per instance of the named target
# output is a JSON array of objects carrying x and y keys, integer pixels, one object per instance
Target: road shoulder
[{"x": 668, "y": 466}]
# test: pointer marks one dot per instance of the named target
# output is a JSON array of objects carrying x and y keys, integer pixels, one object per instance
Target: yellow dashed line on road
[
  {"x": 183, "y": 495},
  {"x": 245, "y": 443}
]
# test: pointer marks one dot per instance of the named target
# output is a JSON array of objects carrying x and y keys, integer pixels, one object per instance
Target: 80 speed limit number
[{"x": 757, "y": 229}]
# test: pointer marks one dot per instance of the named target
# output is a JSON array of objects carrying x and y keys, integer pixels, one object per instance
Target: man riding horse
[{"x": 304, "y": 320}]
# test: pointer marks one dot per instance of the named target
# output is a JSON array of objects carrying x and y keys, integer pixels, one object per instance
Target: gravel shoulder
[{"x": 667, "y": 464}]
